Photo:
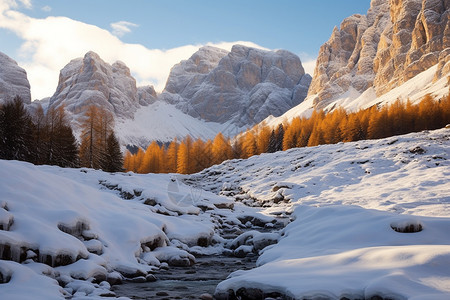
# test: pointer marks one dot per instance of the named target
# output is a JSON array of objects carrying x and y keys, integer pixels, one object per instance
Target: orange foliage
[{"x": 337, "y": 126}]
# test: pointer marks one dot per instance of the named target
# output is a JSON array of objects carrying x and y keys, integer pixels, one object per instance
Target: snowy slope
[
  {"x": 337, "y": 246},
  {"x": 414, "y": 90},
  {"x": 163, "y": 122},
  {"x": 69, "y": 231}
]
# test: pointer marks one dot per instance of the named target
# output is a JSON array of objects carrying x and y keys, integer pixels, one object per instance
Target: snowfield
[{"x": 369, "y": 219}]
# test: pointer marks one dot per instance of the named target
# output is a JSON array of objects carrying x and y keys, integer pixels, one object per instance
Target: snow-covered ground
[
  {"x": 346, "y": 200},
  {"x": 163, "y": 122},
  {"x": 349, "y": 203},
  {"x": 86, "y": 229}
]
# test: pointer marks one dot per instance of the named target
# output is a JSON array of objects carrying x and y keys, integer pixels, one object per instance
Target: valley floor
[{"x": 369, "y": 219}]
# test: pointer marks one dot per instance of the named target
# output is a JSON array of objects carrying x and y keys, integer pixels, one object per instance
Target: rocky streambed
[
  {"x": 196, "y": 282},
  {"x": 199, "y": 280}
]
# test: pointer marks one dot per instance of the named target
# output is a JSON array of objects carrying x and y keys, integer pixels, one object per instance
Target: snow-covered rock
[
  {"x": 13, "y": 80},
  {"x": 71, "y": 231},
  {"x": 243, "y": 86}
]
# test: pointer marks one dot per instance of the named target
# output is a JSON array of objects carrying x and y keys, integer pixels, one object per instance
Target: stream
[{"x": 186, "y": 282}]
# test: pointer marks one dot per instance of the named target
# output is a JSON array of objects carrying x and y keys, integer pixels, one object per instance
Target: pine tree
[
  {"x": 60, "y": 145},
  {"x": 39, "y": 135},
  {"x": 272, "y": 142},
  {"x": 16, "y": 131},
  {"x": 112, "y": 159},
  {"x": 279, "y": 138}
]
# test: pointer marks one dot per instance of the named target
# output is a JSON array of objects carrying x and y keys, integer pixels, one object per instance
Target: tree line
[
  {"x": 191, "y": 156},
  {"x": 47, "y": 138}
]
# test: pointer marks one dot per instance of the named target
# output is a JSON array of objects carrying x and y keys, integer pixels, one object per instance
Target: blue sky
[{"x": 299, "y": 26}]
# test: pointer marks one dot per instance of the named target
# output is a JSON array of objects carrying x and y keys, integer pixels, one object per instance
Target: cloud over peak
[{"x": 50, "y": 43}]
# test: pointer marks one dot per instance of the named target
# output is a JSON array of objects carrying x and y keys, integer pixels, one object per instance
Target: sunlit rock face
[
  {"x": 243, "y": 86},
  {"x": 90, "y": 80},
  {"x": 13, "y": 80},
  {"x": 395, "y": 41}
]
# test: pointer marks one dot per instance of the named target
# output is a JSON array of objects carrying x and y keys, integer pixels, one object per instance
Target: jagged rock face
[
  {"x": 146, "y": 95},
  {"x": 13, "y": 80},
  {"x": 90, "y": 80},
  {"x": 395, "y": 41},
  {"x": 245, "y": 85}
]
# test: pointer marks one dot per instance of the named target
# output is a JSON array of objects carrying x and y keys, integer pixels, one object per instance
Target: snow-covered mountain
[
  {"x": 400, "y": 49},
  {"x": 370, "y": 220},
  {"x": 213, "y": 91},
  {"x": 90, "y": 80},
  {"x": 13, "y": 80},
  {"x": 243, "y": 86}
]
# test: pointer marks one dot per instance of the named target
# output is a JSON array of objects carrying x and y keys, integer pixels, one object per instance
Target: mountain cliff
[
  {"x": 395, "y": 41},
  {"x": 90, "y": 80},
  {"x": 13, "y": 80},
  {"x": 243, "y": 86}
]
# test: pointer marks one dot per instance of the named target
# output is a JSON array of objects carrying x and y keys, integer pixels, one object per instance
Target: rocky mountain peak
[
  {"x": 189, "y": 72},
  {"x": 395, "y": 41},
  {"x": 13, "y": 80},
  {"x": 243, "y": 86},
  {"x": 90, "y": 80}
]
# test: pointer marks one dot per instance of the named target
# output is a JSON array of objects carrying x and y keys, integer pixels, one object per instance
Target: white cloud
[
  {"x": 122, "y": 27},
  {"x": 46, "y": 8},
  {"x": 7, "y": 4},
  {"x": 308, "y": 62},
  {"x": 50, "y": 43}
]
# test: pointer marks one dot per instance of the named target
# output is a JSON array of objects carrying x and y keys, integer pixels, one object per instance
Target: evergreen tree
[
  {"x": 16, "y": 129},
  {"x": 279, "y": 138},
  {"x": 59, "y": 144},
  {"x": 112, "y": 159},
  {"x": 39, "y": 136},
  {"x": 272, "y": 142}
]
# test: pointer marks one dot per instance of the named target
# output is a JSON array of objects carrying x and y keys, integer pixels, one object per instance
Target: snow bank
[
  {"x": 345, "y": 251},
  {"x": 338, "y": 245},
  {"x": 83, "y": 227}
]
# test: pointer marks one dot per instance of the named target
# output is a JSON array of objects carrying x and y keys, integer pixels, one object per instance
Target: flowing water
[{"x": 186, "y": 282}]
